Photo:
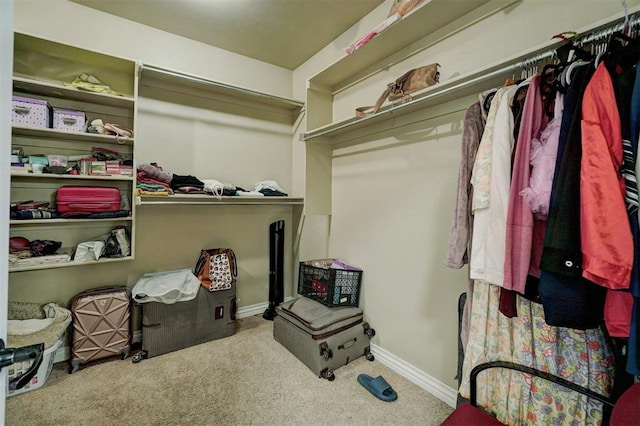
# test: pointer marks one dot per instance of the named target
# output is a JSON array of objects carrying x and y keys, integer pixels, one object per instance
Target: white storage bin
[
  {"x": 41, "y": 376},
  {"x": 29, "y": 112},
  {"x": 69, "y": 120}
]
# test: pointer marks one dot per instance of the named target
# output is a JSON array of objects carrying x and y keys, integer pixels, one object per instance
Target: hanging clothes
[
  {"x": 460, "y": 236},
  {"x": 488, "y": 238},
  {"x": 520, "y": 224},
  {"x": 606, "y": 243},
  {"x": 544, "y": 151},
  {"x": 555, "y": 198},
  {"x": 459, "y": 247},
  {"x": 633, "y": 357},
  {"x": 568, "y": 299}
]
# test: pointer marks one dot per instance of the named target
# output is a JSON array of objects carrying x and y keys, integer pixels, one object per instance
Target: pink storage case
[{"x": 87, "y": 199}]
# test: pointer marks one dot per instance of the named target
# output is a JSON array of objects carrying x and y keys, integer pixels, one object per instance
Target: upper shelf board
[
  {"x": 428, "y": 18},
  {"x": 55, "y": 90},
  {"x": 162, "y": 78},
  {"x": 48, "y": 133},
  {"x": 203, "y": 199}
]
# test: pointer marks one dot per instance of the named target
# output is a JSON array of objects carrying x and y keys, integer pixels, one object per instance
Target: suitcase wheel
[
  {"x": 368, "y": 331},
  {"x": 75, "y": 365},
  {"x": 125, "y": 353},
  {"x": 328, "y": 374},
  {"x": 325, "y": 351},
  {"x": 368, "y": 355},
  {"x": 139, "y": 356}
]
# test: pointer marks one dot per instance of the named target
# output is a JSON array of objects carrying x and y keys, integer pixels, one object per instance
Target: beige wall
[
  {"x": 186, "y": 140},
  {"x": 94, "y": 30},
  {"x": 393, "y": 195}
]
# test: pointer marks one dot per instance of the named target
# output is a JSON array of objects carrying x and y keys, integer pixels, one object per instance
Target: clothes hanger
[
  {"x": 565, "y": 78},
  {"x": 623, "y": 51}
]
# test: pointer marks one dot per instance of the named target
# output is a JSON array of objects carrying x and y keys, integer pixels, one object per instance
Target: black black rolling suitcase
[
  {"x": 170, "y": 327},
  {"x": 323, "y": 338}
]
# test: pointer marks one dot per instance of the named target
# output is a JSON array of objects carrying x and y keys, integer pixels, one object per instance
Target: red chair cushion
[
  {"x": 627, "y": 408},
  {"x": 466, "y": 414}
]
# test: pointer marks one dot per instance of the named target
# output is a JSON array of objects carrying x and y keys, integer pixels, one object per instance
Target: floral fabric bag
[{"x": 216, "y": 269}]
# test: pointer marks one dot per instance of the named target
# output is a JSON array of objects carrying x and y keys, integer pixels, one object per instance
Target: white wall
[
  {"x": 6, "y": 42},
  {"x": 394, "y": 195}
]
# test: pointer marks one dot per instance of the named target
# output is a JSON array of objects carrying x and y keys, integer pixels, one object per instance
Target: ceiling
[{"x": 280, "y": 32}]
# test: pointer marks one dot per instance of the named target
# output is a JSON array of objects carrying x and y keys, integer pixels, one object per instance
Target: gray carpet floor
[{"x": 244, "y": 379}]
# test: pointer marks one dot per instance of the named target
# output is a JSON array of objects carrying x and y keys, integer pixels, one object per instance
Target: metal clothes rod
[
  {"x": 217, "y": 84},
  {"x": 605, "y": 33}
]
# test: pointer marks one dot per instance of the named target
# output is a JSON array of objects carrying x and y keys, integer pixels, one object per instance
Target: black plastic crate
[{"x": 332, "y": 285}]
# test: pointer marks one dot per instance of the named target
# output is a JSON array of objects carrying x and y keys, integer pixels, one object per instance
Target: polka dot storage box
[{"x": 29, "y": 112}]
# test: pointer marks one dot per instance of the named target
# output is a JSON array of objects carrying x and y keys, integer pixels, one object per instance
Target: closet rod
[
  {"x": 604, "y": 33},
  {"x": 217, "y": 84}
]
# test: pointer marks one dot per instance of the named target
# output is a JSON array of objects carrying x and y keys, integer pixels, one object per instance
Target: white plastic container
[{"x": 41, "y": 376}]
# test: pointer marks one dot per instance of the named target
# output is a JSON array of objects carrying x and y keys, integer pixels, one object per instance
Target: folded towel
[{"x": 166, "y": 287}]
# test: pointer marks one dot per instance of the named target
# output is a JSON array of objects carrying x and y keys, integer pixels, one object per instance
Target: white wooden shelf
[
  {"x": 456, "y": 88},
  {"x": 46, "y": 133},
  {"x": 170, "y": 81},
  {"x": 203, "y": 199},
  {"x": 120, "y": 178},
  {"x": 430, "y": 23},
  {"x": 68, "y": 264},
  {"x": 84, "y": 221},
  {"x": 469, "y": 84},
  {"x": 404, "y": 38},
  {"x": 67, "y": 92}
]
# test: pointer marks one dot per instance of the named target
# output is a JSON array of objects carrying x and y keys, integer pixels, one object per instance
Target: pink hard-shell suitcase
[
  {"x": 87, "y": 199},
  {"x": 101, "y": 325}
]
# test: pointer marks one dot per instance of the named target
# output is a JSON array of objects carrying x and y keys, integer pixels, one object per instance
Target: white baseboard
[
  {"x": 64, "y": 352},
  {"x": 432, "y": 385}
]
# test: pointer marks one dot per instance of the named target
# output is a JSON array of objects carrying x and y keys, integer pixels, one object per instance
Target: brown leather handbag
[{"x": 401, "y": 89}]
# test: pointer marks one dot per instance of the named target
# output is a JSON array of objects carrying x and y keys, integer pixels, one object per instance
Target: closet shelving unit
[
  {"x": 158, "y": 82},
  {"x": 324, "y": 85},
  {"x": 429, "y": 23},
  {"x": 323, "y": 135},
  {"x": 174, "y": 86},
  {"x": 44, "y": 69}
]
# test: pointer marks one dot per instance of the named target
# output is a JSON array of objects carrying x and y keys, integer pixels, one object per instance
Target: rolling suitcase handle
[{"x": 348, "y": 344}]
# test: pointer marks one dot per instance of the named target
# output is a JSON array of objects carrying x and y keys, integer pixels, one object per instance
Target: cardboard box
[
  {"x": 126, "y": 170},
  {"x": 98, "y": 168},
  {"x": 112, "y": 167}
]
